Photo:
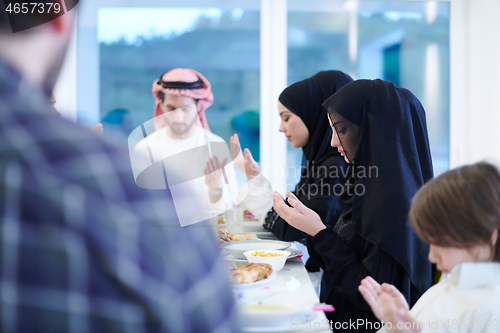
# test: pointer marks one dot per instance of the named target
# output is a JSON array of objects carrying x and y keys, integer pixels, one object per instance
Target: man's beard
[{"x": 185, "y": 130}]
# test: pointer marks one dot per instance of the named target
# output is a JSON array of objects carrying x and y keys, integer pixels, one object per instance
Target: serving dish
[
  {"x": 293, "y": 254},
  {"x": 275, "y": 258}
]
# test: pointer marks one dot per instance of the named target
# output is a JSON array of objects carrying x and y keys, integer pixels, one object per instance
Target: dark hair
[
  {"x": 460, "y": 208},
  {"x": 4, "y": 20}
]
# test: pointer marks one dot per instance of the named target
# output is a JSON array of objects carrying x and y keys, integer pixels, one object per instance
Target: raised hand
[
  {"x": 298, "y": 216},
  {"x": 98, "y": 129},
  {"x": 388, "y": 305},
  {"x": 243, "y": 160},
  {"x": 398, "y": 319},
  {"x": 213, "y": 173},
  {"x": 371, "y": 290}
]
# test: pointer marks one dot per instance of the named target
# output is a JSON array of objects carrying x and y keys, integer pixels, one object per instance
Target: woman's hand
[
  {"x": 243, "y": 160},
  {"x": 298, "y": 216},
  {"x": 388, "y": 305}
]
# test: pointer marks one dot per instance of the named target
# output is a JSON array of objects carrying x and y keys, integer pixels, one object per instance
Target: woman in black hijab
[
  {"x": 322, "y": 164},
  {"x": 381, "y": 131}
]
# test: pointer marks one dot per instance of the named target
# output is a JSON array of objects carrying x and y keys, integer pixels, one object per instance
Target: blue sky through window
[{"x": 115, "y": 24}]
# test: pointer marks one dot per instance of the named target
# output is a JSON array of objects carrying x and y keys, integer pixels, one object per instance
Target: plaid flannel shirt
[{"x": 83, "y": 248}]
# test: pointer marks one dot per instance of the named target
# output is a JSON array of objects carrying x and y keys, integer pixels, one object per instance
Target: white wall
[
  {"x": 475, "y": 81},
  {"x": 273, "y": 71}
]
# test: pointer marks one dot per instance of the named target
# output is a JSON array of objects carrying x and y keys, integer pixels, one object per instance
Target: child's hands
[
  {"x": 398, "y": 319},
  {"x": 388, "y": 305},
  {"x": 372, "y": 292}
]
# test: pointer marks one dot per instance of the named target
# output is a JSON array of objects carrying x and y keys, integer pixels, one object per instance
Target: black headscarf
[
  {"x": 304, "y": 99},
  {"x": 387, "y": 124}
]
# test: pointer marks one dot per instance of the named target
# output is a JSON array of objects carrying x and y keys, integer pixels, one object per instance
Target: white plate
[
  {"x": 293, "y": 253},
  {"x": 258, "y": 283},
  {"x": 266, "y": 235},
  {"x": 230, "y": 257},
  {"x": 236, "y": 248},
  {"x": 297, "y": 307}
]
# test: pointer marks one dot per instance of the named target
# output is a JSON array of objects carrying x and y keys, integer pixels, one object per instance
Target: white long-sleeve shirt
[
  {"x": 468, "y": 301},
  {"x": 163, "y": 146}
]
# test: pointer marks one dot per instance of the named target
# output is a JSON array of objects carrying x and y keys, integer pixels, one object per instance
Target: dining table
[{"x": 290, "y": 285}]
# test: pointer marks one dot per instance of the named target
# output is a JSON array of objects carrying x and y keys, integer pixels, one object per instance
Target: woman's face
[
  {"x": 345, "y": 137},
  {"x": 294, "y": 128}
]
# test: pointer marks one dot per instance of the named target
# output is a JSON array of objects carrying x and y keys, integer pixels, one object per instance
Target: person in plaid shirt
[{"x": 82, "y": 247}]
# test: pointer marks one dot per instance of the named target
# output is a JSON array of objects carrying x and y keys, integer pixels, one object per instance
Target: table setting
[{"x": 282, "y": 299}]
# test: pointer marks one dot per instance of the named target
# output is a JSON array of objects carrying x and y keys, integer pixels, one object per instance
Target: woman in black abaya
[
  {"x": 381, "y": 131},
  {"x": 322, "y": 165}
]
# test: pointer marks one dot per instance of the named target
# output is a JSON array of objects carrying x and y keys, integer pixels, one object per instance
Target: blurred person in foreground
[{"x": 82, "y": 247}]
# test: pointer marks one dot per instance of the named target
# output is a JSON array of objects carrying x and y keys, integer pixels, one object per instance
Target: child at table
[{"x": 458, "y": 214}]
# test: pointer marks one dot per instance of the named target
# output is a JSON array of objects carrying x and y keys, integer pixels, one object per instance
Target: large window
[
  {"x": 403, "y": 42},
  {"x": 222, "y": 45},
  {"x": 130, "y": 47},
  {"x": 123, "y": 46}
]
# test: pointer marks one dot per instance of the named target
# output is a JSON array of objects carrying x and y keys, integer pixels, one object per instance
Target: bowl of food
[
  {"x": 236, "y": 248},
  {"x": 275, "y": 258}
]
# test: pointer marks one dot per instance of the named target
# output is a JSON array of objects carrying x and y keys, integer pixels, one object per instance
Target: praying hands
[
  {"x": 389, "y": 306},
  {"x": 298, "y": 216}
]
